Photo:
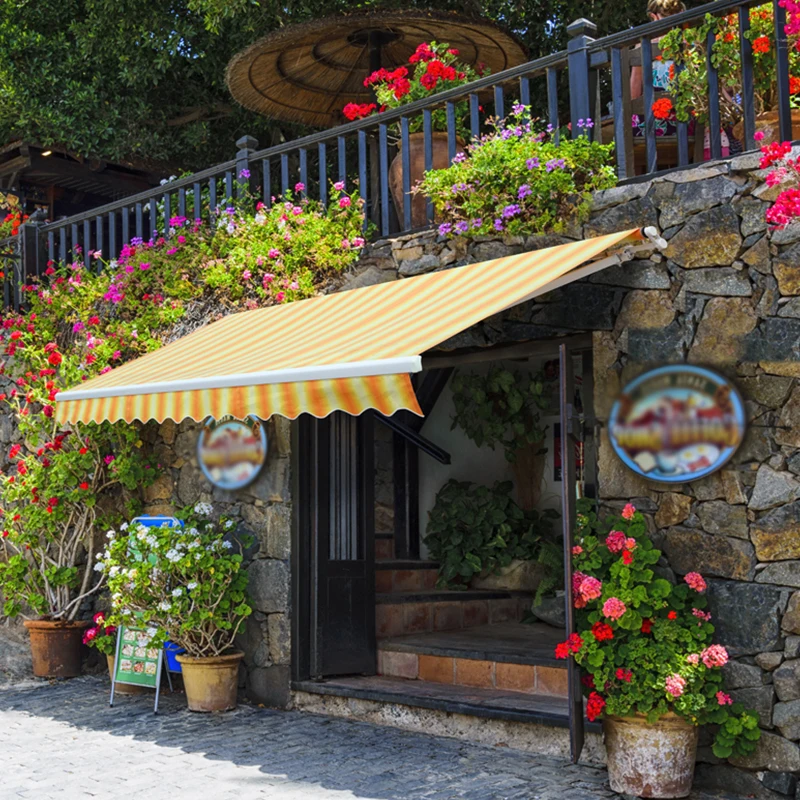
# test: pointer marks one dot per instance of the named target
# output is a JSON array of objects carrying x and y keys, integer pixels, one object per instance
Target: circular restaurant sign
[
  {"x": 232, "y": 451},
  {"x": 677, "y": 423}
]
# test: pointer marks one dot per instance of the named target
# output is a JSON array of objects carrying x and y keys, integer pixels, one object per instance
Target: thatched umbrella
[{"x": 307, "y": 72}]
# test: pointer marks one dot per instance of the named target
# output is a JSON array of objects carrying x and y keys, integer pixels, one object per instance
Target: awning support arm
[{"x": 417, "y": 439}]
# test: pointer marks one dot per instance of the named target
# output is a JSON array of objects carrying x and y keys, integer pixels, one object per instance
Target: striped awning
[{"x": 349, "y": 351}]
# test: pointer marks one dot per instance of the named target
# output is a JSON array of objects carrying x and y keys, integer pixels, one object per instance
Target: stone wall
[
  {"x": 726, "y": 294},
  {"x": 263, "y": 514}
]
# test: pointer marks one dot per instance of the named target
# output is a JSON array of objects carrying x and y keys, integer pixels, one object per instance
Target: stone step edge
[
  {"x": 392, "y": 646},
  {"x": 446, "y": 596},
  {"x": 404, "y": 564}
]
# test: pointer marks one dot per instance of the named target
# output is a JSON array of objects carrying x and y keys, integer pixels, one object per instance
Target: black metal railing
[{"x": 361, "y": 153}]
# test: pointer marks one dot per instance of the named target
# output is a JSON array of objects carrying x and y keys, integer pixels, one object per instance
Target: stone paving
[{"x": 63, "y": 741}]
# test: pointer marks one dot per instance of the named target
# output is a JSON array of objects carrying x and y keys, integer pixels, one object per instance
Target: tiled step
[
  {"x": 401, "y": 613},
  {"x": 397, "y": 575},
  {"x": 528, "y": 679},
  {"x": 384, "y": 546}
]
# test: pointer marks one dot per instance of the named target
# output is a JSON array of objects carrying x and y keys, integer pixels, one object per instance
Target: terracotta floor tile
[
  {"x": 436, "y": 668},
  {"x": 406, "y": 580},
  {"x": 383, "y": 581},
  {"x": 475, "y": 612},
  {"x": 446, "y": 616},
  {"x": 416, "y": 617},
  {"x": 388, "y": 620},
  {"x": 474, "y": 673},
  {"x": 551, "y": 680},
  {"x": 515, "y": 677},
  {"x": 398, "y": 665}
]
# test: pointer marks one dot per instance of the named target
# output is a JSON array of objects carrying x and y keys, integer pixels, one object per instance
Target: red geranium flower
[
  {"x": 602, "y": 631},
  {"x": 672, "y": 615},
  {"x": 624, "y": 675},
  {"x": 647, "y": 625},
  {"x": 594, "y": 706}
]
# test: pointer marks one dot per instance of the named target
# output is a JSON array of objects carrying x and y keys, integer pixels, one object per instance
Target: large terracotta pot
[
  {"x": 416, "y": 146},
  {"x": 211, "y": 683},
  {"x": 124, "y": 688},
  {"x": 650, "y": 759},
  {"x": 767, "y": 123},
  {"x": 56, "y": 647}
]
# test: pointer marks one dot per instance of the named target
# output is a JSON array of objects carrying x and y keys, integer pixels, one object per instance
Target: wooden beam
[
  {"x": 115, "y": 182},
  {"x": 14, "y": 165}
]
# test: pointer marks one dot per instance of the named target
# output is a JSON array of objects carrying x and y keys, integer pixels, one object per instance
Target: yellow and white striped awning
[{"x": 349, "y": 351}]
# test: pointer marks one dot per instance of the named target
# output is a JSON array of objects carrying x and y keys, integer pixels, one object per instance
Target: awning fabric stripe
[{"x": 348, "y": 351}]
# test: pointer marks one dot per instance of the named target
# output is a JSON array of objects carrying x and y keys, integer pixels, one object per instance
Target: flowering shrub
[
  {"x": 434, "y": 67},
  {"x": 101, "y": 636},
  {"x": 643, "y": 643},
  {"x": 185, "y": 584},
  {"x": 785, "y": 171},
  {"x": 686, "y": 47},
  {"x": 517, "y": 180}
]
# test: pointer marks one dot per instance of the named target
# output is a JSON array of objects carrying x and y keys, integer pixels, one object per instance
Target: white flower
[
  {"x": 151, "y": 632},
  {"x": 203, "y": 509},
  {"x": 113, "y": 572},
  {"x": 98, "y": 556},
  {"x": 173, "y": 556},
  {"x": 142, "y": 534},
  {"x": 193, "y": 545},
  {"x": 227, "y": 545},
  {"x": 99, "y": 566},
  {"x": 122, "y": 527},
  {"x": 131, "y": 573},
  {"x": 177, "y": 592},
  {"x": 112, "y": 534},
  {"x": 229, "y": 524},
  {"x": 198, "y": 556},
  {"x": 165, "y": 605},
  {"x": 192, "y": 585}
]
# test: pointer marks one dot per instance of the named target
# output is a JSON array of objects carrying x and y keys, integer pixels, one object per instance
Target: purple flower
[
  {"x": 506, "y": 134},
  {"x": 555, "y": 163},
  {"x": 459, "y": 157},
  {"x": 523, "y": 191},
  {"x": 462, "y": 227},
  {"x": 230, "y": 211},
  {"x": 532, "y": 163},
  {"x": 477, "y": 222},
  {"x": 459, "y": 187},
  {"x": 137, "y": 241},
  {"x": 144, "y": 265},
  {"x": 445, "y": 228},
  {"x": 518, "y": 108},
  {"x": 77, "y": 327},
  {"x": 498, "y": 225},
  {"x": 511, "y": 211},
  {"x": 244, "y": 174}
]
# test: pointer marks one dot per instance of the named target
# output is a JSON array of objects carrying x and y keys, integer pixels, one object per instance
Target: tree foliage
[{"x": 144, "y": 79}]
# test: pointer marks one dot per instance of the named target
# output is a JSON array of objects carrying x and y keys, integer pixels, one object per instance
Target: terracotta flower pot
[
  {"x": 211, "y": 683},
  {"x": 56, "y": 647},
  {"x": 768, "y": 124},
  {"x": 650, "y": 759},
  {"x": 416, "y": 146},
  {"x": 124, "y": 688}
]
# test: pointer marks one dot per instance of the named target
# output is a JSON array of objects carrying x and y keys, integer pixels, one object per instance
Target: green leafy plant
[
  {"x": 643, "y": 643},
  {"x": 517, "y": 180},
  {"x": 474, "y": 529},
  {"x": 501, "y": 407},
  {"x": 185, "y": 584}
]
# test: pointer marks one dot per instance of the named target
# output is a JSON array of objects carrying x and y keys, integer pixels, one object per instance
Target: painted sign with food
[
  {"x": 232, "y": 451},
  {"x": 137, "y": 660},
  {"x": 677, "y": 423}
]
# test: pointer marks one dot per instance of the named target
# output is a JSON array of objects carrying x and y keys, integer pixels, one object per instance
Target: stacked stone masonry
[{"x": 725, "y": 294}]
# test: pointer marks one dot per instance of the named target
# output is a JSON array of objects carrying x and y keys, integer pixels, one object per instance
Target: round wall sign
[
  {"x": 678, "y": 423},
  {"x": 232, "y": 451}
]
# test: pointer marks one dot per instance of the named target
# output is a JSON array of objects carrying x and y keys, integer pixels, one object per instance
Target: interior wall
[{"x": 479, "y": 464}]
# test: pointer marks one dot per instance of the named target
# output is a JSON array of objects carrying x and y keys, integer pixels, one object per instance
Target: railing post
[
  {"x": 247, "y": 146},
  {"x": 580, "y": 97}
]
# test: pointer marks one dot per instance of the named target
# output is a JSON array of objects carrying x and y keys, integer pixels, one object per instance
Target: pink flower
[
  {"x": 714, "y": 655},
  {"x": 99, "y": 618},
  {"x": 279, "y": 297},
  {"x": 693, "y": 659},
  {"x": 344, "y": 202},
  {"x": 297, "y": 211},
  {"x": 339, "y": 186},
  {"x": 630, "y": 544},
  {"x": 577, "y": 550},
  {"x": 614, "y": 608},
  {"x": 345, "y": 244},
  {"x": 675, "y": 685},
  {"x": 628, "y": 511},
  {"x": 144, "y": 265},
  {"x": 758, "y": 135},
  {"x": 274, "y": 253},
  {"x": 358, "y": 241},
  {"x": 703, "y": 615},
  {"x": 108, "y": 459},
  {"x": 615, "y": 541},
  {"x": 89, "y": 635},
  {"x": 247, "y": 275},
  {"x": 696, "y": 582},
  {"x": 723, "y": 699},
  {"x": 585, "y": 588},
  {"x": 299, "y": 187},
  {"x": 294, "y": 285},
  {"x": 267, "y": 279}
]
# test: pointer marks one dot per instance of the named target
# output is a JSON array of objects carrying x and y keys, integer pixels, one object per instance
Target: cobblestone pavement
[{"x": 63, "y": 741}]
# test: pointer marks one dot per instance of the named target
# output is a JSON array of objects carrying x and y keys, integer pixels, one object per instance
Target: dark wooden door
[{"x": 336, "y": 460}]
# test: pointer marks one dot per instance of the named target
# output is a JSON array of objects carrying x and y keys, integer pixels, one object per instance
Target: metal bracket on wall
[{"x": 417, "y": 439}]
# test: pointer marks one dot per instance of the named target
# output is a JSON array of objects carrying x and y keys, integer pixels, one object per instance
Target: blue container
[{"x": 171, "y": 651}]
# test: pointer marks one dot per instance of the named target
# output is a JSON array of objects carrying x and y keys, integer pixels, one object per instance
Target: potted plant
[
  {"x": 518, "y": 180},
  {"x": 784, "y": 172},
  {"x": 650, "y": 668},
  {"x": 188, "y": 586},
  {"x": 686, "y": 48},
  {"x": 481, "y": 537},
  {"x": 504, "y": 407},
  {"x": 434, "y": 67}
]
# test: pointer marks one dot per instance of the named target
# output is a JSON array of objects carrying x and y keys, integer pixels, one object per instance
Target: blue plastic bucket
[{"x": 171, "y": 651}]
